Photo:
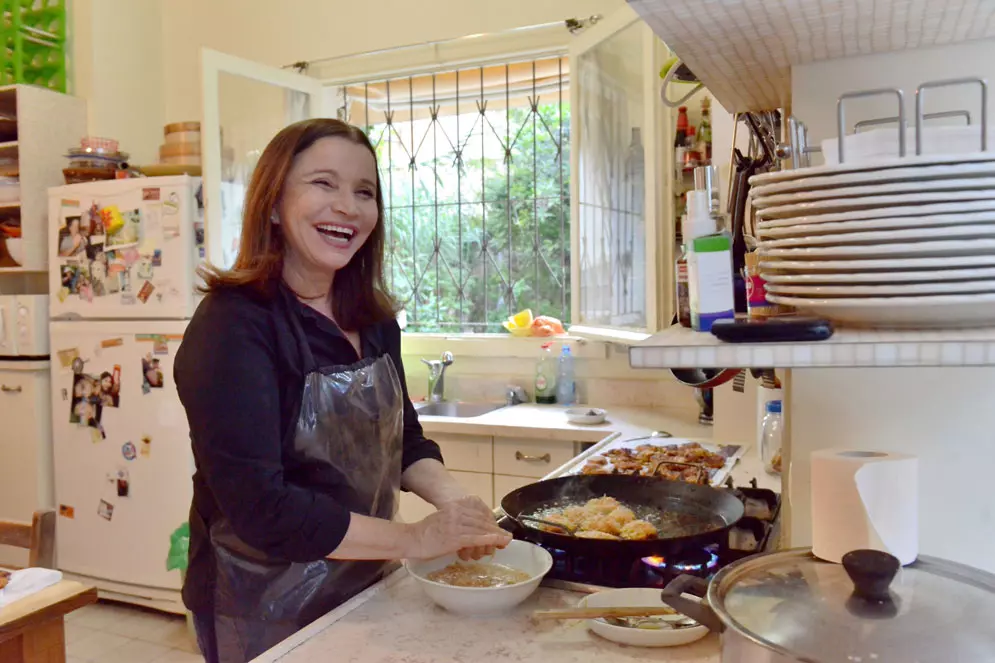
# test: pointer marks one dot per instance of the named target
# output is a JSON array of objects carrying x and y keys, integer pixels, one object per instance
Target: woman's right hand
[{"x": 457, "y": 525}]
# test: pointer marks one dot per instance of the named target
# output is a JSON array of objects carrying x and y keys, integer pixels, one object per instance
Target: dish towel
[{"x": 26, "y": 582}]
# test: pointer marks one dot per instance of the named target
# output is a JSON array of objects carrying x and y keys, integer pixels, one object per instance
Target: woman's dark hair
[{"x": 359, "y": 292}]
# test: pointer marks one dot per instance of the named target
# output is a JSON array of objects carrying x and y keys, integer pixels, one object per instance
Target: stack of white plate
[{"x": 903, "y": 243}]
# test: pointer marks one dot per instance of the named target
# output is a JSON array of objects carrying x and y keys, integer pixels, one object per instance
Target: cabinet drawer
[
  {"x": 504, "y": 484},
  {"x": 467, "y": 453},
  {"x": 530, "y": 458},
  {"x": 413, "y": 508}
]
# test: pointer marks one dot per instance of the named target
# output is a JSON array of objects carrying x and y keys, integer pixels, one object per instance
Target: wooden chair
[{"x": 38, "y": 537}]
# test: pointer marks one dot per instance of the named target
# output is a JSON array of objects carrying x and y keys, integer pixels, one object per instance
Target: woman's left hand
[{"x": 478, "y": 552}]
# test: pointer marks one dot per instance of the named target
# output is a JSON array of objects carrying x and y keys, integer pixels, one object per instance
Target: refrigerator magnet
[
  {"x": 151, "y": 193},
  {"x": 67, "y": 511},
  {"x": 146, "y": 291},
  {"x": 160, "y": 346},
  {"x": 66, "y": 357},
  {"x": 65, "y": 394},
  {"x": 157, "y": 258},
  {"x": 123, "y": 482},
  {"x": 146, "y": 450},
  {"x": 105, "y": 510},
  {"x": 145, "y": 267},
  {"x": 112, "y": 342},
  {"x": 151, "y": 373},
  {"x": 128, "y": 451}
]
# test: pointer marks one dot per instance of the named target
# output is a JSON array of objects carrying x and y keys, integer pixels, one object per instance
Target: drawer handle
[
  {"x": 11, "y": 390},
  {"x": 545, "y": 458}
]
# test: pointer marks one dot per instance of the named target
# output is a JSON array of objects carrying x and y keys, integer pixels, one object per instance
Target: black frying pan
[{"x": 709, "y": 512}]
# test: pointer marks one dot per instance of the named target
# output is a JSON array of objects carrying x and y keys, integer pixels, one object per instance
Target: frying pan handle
[{"x": 700, "y": 612}]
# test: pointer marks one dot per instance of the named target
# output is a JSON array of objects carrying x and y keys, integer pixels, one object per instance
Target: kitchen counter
[
  {"x": 550, "y": 422},
  {"x": 394, "y": 622}
]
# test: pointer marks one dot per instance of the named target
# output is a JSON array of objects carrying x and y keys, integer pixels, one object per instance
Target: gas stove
[{"x": 756, "y": 532}]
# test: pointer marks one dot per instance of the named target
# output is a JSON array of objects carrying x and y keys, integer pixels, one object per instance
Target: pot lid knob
[{"x": 871, "y": 572}]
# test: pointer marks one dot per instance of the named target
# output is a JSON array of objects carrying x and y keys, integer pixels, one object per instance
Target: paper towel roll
[{"x": 865, "y": 500}]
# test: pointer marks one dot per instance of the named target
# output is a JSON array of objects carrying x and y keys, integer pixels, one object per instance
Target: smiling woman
[{"x": 303, "y": 433}]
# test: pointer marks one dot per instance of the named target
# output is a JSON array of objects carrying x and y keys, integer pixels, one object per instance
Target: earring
[{"x": 274, "y": 219}]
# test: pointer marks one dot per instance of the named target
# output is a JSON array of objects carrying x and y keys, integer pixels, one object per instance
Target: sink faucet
[{"x": 436, "y": 376}]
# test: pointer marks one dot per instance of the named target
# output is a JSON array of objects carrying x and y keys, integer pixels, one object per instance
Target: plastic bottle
[
  {"x": 566, "y": 387},
  {"x": 705, "y": 130},
  {"x": 545, "y": 385},
  {"x": 710, "y": 278},
  {"x": 681, "y": 280},
  {"x": 770, "y": 441}
]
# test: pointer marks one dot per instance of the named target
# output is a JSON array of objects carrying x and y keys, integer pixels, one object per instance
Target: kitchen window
[
  {"x": 522, "y": 169},
  {"x": 475, "y": 170}
]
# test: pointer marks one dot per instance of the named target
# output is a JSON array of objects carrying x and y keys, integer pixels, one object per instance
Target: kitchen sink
[{"x": 456, "y": 409}]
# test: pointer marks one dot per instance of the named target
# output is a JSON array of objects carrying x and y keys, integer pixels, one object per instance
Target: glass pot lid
[{"x": 869, "y": 609}]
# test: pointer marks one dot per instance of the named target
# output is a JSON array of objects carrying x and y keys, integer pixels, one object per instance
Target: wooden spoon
[{"x": 601, "y": 613}]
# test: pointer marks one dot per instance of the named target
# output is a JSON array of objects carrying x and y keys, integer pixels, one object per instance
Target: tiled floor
[{"x": 115, "y": 633}]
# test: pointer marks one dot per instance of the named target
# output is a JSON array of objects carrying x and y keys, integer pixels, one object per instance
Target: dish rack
[{"x": 799, "y": 150}]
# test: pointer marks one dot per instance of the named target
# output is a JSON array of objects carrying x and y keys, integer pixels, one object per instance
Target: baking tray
[{"x": 717, "y": 476}]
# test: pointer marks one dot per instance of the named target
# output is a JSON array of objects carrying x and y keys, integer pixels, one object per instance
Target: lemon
[{"x": 522, "y": 319}]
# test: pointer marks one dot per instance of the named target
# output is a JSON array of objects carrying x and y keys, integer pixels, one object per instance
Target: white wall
[
  {"x": 815, "y": 87},
  {"x": 117, "y": 58},
  {"x": 280, "y": 34}
]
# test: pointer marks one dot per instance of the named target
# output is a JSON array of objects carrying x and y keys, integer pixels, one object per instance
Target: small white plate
[
  {"x": 884, "y": 236},
  {"x": 638, "y": 637},
  {"x": 864, "y": 166},
  {"x": 882, "y": 203},
  {"x": 910, "y": 173},
  {"x": 884, "y": 290},
  {"x": 881, "y": 278},
  {"x": 867, "y": 225},
  {"x": 882, "y": 189},
  {"x": 902, "y": 250},
  {"x": 934, "y": 209},
  {"x": 926, "y": 312},
  {"x": 882, "y": 265},
  {"x": 586, "y": 416}
]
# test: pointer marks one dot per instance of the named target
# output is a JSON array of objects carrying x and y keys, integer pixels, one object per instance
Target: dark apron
[{"x": 351, "y": 419}]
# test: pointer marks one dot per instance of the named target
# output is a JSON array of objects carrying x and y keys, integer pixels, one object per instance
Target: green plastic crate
[{"x": 34, "y": 33}]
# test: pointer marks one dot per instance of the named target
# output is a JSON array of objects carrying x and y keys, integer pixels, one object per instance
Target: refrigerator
[{"x": 124, "y": 255}]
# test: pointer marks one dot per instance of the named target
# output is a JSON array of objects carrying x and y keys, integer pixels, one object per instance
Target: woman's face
[
  {"x": 74, "y": 227},
  {"x": 329, "y": 205},
  {"x": 106, "y": 383}
]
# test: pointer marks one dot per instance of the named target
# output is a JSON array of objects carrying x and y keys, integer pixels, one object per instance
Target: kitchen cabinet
[
  {"x": 504, "y": 484},
  {"x": 523, "y": 457},
  {"x": 491, "y": 467},
  {"x": 41, "y": 125},
  {"x": 26, "y": 476}
]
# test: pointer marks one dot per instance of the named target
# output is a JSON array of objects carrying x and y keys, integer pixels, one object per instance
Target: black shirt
[{"x": 240, "y": 375}]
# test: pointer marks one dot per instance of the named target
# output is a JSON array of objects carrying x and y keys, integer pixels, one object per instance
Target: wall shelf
[
  {"x": 743, "y": 50},
  {"x": 678, "y": 347}
]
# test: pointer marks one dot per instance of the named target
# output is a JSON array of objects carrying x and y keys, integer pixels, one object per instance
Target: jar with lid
[{"x": 770, "y": 441}]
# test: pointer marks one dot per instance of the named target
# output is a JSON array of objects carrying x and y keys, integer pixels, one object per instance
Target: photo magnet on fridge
[
  {"x": 123, "y": 483},
  {"x": 71, "y": 240},
  {"x": 151, "y": 373},
  {"x": 160, "y": 346},
  {"x": 128, "y": 451},
  {"x": 67, "y": 511},
  {"x": 105, "y": 510}
]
